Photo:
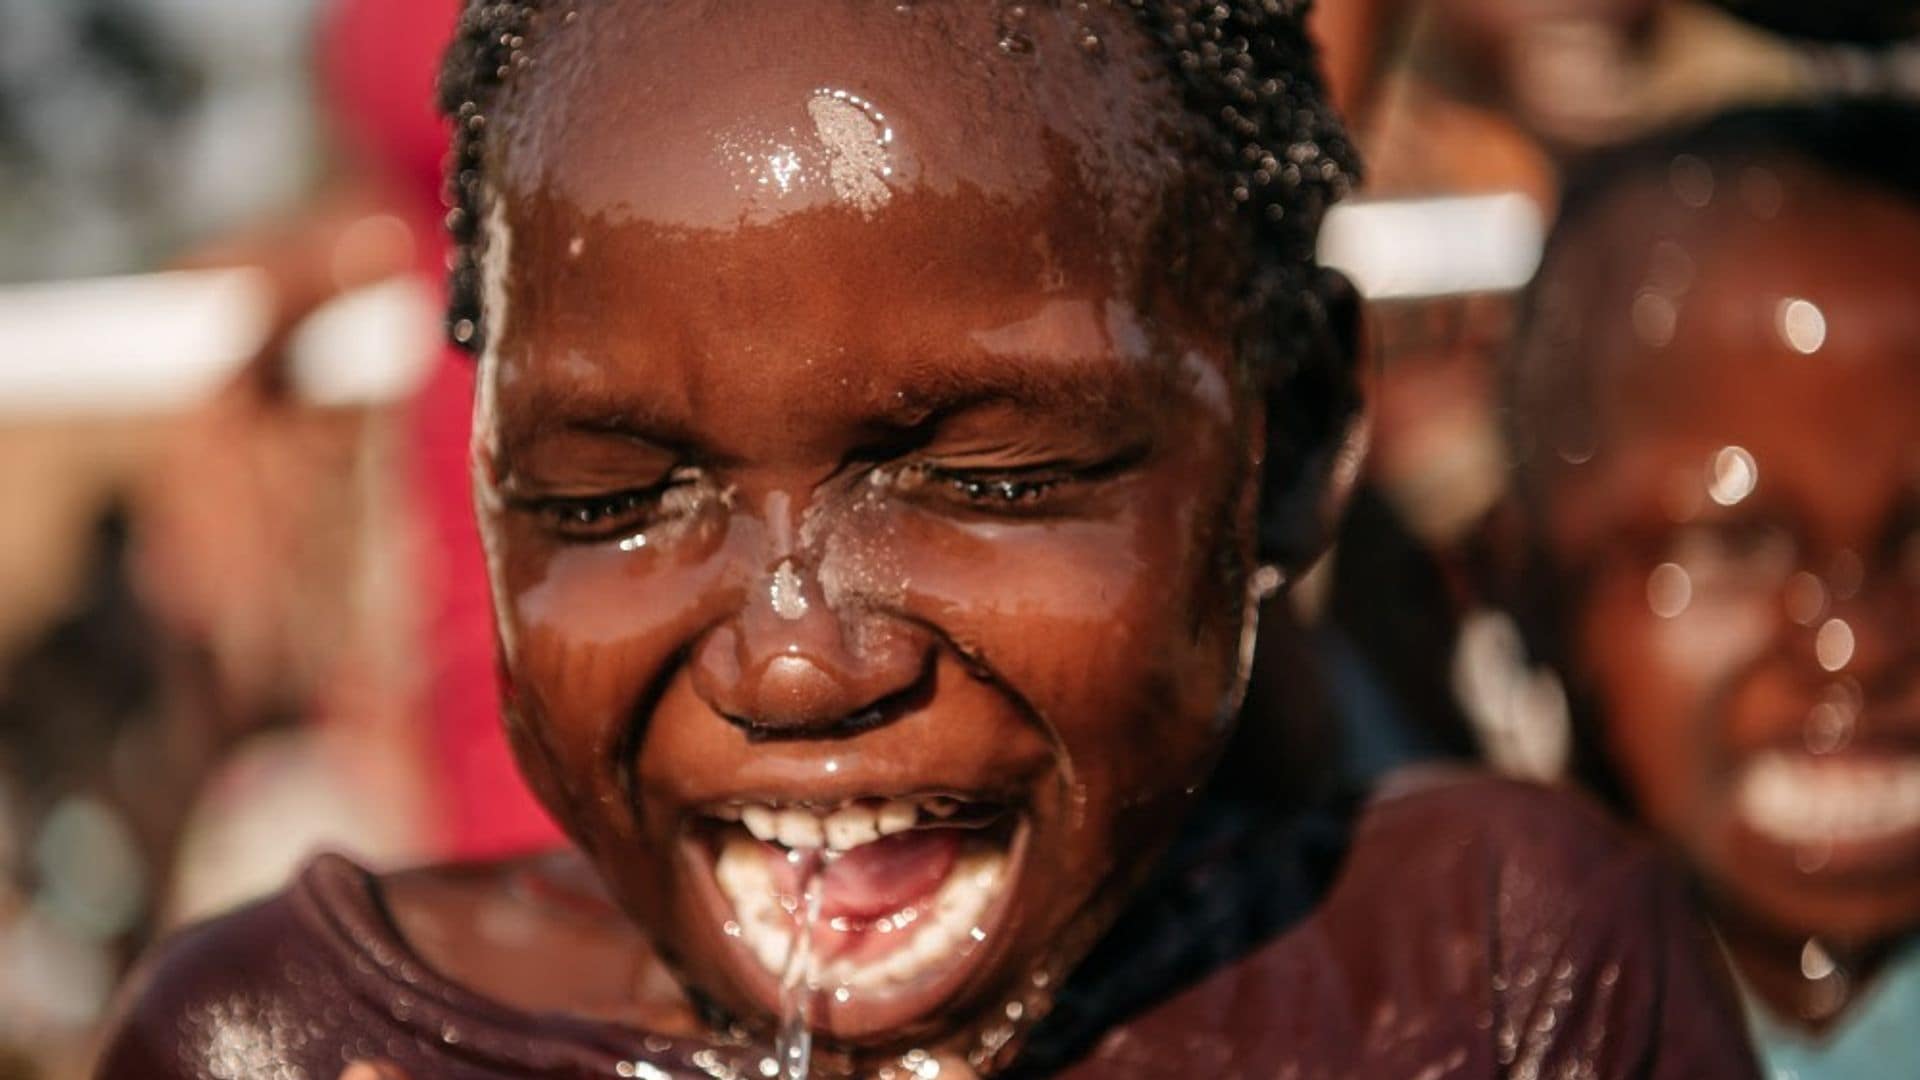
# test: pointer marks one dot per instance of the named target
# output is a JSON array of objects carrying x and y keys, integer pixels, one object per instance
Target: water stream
[{"x": 793, "y": 1042}]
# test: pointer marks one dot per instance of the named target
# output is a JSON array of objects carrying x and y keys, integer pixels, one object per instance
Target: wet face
[
  {"x": 869, "y": 510},
  {"x": 1745, "y": 536}
]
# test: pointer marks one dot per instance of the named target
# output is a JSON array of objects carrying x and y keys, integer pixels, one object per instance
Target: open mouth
[
  {"x": 1840, "y": 802},
  {"x": 896, "y": 896}
]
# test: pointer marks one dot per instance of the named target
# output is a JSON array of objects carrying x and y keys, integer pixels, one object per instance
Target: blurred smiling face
[
  {"x": 1746, "y": 530},
  {"x": 862, "y": 496}
]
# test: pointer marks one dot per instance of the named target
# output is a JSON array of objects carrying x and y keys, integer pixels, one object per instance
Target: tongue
[{"x": 881, "y": 877}]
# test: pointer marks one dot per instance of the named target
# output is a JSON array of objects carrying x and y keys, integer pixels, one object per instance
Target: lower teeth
[{"x": 946, "y": 925}]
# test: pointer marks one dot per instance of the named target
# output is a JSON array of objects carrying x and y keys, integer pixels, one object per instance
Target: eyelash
[
  {"x": 998, "y": 491},
  {"x": 592, "y": 518},
  {"x": 598, "y": 518},
  {"x": 1032, "y": 490}
]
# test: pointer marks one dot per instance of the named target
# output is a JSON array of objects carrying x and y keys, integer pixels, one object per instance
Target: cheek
[
  {"x": 1119, "y": 633},
  {"x": 589, "y": 635},
  {"x": 1661, "y": 683}
]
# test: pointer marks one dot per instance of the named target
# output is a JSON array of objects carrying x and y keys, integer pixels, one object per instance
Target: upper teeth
[
  {"x": 1805, "y": 801},
  {"x": 839, "y": 829}
]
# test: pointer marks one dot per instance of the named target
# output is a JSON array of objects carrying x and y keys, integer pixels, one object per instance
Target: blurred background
[{"x": 241, "y": 609}]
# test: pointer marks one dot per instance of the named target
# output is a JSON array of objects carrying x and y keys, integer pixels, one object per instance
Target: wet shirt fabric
[{"x": 1457, "y": 927}]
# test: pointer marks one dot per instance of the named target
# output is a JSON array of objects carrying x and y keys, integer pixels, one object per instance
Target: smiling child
[
  {"x": 1718, "y": 400},
  {"x": 885, "y": 412}
]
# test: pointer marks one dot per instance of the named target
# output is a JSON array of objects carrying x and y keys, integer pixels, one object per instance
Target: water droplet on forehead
[
  {"x": 1732, "y": 476},
  {"x": 1669, "y": 590},
  {"x": 1801, "y": 325},
  {"x": 1833, "y": 644}
]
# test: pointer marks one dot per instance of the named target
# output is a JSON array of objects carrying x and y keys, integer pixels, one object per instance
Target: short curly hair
[{"x": 1248, "y": 74}]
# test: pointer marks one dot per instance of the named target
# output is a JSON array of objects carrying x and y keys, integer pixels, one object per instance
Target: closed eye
[
  {"x": 1026, "y": 490},
  {"x": 599, "y": 516}
]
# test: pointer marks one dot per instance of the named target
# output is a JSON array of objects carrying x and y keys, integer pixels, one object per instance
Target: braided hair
[{"x": 1248, "y": 75}]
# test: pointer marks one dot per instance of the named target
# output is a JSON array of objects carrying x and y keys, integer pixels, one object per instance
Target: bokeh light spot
[
  {"x": 1802, "y": 325},
  {"x": 1732, "y": 476}
]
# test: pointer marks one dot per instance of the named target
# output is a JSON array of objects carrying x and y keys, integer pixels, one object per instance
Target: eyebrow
[
  {"x": 1090, "y": 397},
  {"x": 547, "y": 407},
  {"x": 1089, "y": 391}
]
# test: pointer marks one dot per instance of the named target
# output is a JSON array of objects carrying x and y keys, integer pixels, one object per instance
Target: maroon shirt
[{"x": 1476, "y": 928}]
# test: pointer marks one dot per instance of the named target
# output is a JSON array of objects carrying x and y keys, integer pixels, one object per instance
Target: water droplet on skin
[
  {"x": 1833, "y": 644},
  {"x": 1830, "y": 723},
  {"x": 1815, "y": 961},
  {"x": 786, "y": 593},
  {"x": 1732, "y": 476},
  {"x": 1669, "y": 590},
  {"x": 1801, "y": 325},
  {"x": 1805, "y": 598}
]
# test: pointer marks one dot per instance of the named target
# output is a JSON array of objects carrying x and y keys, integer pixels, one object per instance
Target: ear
[{"x": 1317, "y": 425}]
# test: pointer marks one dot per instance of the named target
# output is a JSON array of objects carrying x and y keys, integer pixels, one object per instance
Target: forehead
[
  {"x": 706, "y": 114},
  {"x": 1793, "y": 336},
  {"x": 862, "y": 208}
]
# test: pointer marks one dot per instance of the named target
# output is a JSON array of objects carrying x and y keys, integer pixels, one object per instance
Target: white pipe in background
[{"x": 158, "y": 343}]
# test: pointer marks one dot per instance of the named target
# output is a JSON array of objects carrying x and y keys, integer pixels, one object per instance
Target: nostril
[{"x": 762, "y": 729}]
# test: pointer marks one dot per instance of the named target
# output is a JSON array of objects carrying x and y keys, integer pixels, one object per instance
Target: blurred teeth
[
  {"x": 1799, "y": 800},
  {"x": 843, "y": 828}
]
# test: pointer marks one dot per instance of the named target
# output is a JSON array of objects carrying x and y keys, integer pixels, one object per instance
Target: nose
[{"x": 788, "y": 666}]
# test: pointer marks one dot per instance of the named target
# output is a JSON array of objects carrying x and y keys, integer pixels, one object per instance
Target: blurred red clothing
[{"x": 378, "y": 61}]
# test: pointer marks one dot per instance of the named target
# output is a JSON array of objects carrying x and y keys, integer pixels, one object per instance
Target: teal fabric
[{"x": 1879, "y": 1038}]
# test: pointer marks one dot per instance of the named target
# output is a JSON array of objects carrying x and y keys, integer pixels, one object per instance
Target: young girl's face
[
  {"x": 862, "y": 470},
  {"x": 1748, "y": 526}
]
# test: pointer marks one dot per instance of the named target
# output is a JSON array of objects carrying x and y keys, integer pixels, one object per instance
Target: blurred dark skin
[{"x": 1741, "y": 542}]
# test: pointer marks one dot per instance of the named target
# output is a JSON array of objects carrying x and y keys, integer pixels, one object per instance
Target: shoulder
[
  {"x": 1520, "y": 818},
  {"x": 1576, "y": 940},
  {"x": 332, "y": 970},
  {"x": 1508, "y": 872},
  {"x": 238, "y": 986},
  {"x": 1489, "y": 926}
]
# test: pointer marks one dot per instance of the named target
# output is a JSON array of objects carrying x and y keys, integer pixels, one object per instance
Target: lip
[{"x": 869, "y": 1016}]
